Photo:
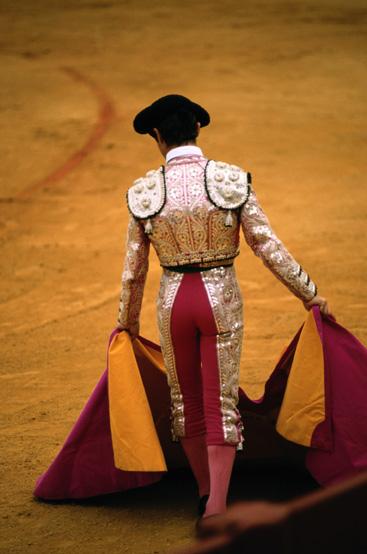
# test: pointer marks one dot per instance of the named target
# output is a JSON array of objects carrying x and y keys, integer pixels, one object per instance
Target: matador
[{"x": 191, "y": 210}]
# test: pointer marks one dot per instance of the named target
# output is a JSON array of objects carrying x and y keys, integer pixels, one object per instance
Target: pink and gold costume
[{"x": 191, "y": 211}]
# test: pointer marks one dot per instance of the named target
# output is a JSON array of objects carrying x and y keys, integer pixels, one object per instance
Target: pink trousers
[{"x": 201, "y": 324}]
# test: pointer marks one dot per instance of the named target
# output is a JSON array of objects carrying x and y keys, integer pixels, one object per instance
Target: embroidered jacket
[{"x": 191, "y": 211}]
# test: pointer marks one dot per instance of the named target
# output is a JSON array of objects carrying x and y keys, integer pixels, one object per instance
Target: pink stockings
[
  {"x": 212, "y": 467},
  {"x": 221, "y": 460},
  {"x": 196, "y": 452}
]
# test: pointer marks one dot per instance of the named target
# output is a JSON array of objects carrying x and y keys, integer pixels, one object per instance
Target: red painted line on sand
[{"x": 106, "y": 114}]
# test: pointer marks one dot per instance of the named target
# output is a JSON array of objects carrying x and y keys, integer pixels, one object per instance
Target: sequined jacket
[{"x": 191, "y": 211}]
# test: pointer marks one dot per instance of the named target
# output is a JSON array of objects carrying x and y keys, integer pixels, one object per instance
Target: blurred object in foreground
[{"x": 327, "y": 521}]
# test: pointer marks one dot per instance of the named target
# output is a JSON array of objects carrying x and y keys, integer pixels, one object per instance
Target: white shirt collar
[{"x": 187, "y": 150}]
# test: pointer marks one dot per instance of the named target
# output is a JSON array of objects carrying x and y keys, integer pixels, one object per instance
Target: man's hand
[
  {"x": 318, "y": 301},
  {"x": 133, "y": 331}
]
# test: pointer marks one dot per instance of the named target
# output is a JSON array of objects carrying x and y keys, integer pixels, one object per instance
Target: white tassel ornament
[
  {"x": 229, "y": 219},
  {"x": 148, "y": 227}
]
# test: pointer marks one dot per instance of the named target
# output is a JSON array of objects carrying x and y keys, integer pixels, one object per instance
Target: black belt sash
[{"x": 193, "y": 268}]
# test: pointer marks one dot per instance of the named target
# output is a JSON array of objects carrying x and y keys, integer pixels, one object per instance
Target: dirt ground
[{"x": 285, "y": 83}]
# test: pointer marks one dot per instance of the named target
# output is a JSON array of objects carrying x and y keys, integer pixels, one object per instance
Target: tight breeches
[{"x": 200, "y": 320}]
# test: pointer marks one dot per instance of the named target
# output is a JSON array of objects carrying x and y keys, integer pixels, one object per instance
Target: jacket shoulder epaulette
[
  {"x": 147, "y": 196},
  {"x": 227, "y": 185}
]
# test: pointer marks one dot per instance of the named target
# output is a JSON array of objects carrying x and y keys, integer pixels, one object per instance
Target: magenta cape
[{"x": 330, "y": 420}]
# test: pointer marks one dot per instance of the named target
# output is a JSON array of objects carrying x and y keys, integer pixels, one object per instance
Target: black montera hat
[{"x": 151, "y": 116}]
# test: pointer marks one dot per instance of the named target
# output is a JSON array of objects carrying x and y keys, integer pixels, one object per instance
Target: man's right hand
[{"x": 318, "y": 301}]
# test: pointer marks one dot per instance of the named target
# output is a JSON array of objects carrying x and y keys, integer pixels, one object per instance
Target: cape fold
[{"x": 135, "y": 441}]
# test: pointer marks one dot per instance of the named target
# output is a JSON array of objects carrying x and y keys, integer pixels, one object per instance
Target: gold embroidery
[
  {"x": 189, "y": 228},
  {"x": 169, "y": 285},
  {"x": 225, "y": 298},
  {"x": 261, "y": 238},
  {"x": 191, "y": 239},
  {"x": 133, "y": 276}
]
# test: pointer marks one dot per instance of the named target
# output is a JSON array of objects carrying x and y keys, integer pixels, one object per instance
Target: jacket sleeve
[
  {"x": 133, "y": 276},
  {"x": 265, "y": 244}
]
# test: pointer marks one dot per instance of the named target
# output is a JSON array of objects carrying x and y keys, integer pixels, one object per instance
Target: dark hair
[{"x": 178, "y": 128}]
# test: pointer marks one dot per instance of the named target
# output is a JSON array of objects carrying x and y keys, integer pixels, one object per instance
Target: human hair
[{"x": 178, "y": 128}]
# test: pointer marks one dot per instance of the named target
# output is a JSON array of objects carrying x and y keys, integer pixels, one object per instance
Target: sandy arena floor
[{"x": 285, "y": 83}]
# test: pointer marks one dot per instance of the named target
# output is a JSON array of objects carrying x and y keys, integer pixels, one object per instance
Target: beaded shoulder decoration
[
  {"x": 147, "y": 196},
  {"x": 227, "y": 185}
]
